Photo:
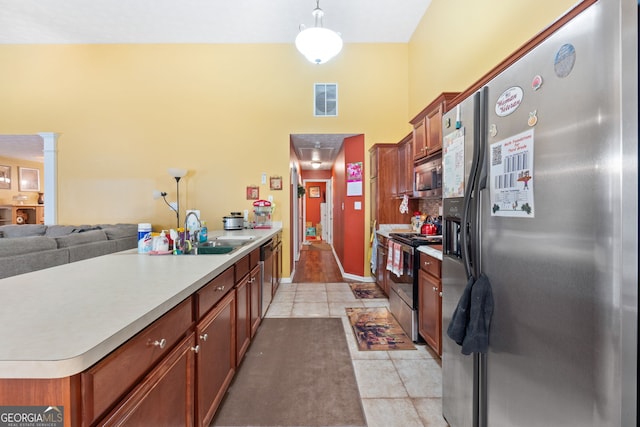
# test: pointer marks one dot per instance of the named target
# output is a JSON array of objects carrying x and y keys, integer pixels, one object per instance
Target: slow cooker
[{"x": 233, "y": 222}]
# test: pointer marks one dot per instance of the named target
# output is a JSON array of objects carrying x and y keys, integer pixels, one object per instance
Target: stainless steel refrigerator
[{"x": 540, "y": 186}]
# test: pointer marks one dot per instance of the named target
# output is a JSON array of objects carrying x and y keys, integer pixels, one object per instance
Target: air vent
[{"x": 325, "y": 100}]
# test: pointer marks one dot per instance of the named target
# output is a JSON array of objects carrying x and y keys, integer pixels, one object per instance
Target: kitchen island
[{"x": 60, "y": 322}]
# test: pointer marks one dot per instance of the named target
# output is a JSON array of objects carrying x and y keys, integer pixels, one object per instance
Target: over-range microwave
[{"x": 427, "y": 178}]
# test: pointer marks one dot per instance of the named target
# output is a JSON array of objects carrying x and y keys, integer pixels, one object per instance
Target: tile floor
[{"x": 400, "y": 388}]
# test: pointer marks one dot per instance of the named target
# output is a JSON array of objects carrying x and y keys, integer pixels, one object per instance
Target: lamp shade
[
  {"x": 177, "y": 173},
  {"x": 318, "y": 44}
]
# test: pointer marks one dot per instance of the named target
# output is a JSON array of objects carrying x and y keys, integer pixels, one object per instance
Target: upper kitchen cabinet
[
  {"x": 405, "y": 167},
  {"x": 427, "y": 126},
  {"x": 383, "y": 186}
]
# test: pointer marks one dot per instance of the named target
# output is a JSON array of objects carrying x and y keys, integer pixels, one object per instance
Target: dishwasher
[{"x": 266, "y": 276}]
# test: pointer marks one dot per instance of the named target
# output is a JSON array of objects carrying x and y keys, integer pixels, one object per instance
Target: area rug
[
  {"x": 366, "y": 290},
  {"x": 297, "y": 372},
  {"x": 377, "y": 329}
]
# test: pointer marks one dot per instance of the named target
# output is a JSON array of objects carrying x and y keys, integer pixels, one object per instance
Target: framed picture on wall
[
  {"x": 314, "y": 192},
  {"x": 5, "y": 177},
  {"x": 29, "y": 179},
  {"x": 276, "y": 183}
]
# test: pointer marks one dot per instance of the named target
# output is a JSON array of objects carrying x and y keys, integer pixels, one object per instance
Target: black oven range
[{"x": 403, "y": 293}]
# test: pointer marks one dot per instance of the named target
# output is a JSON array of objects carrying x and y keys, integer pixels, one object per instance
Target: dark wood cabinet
[
  {"x": 427, "y": 126},
  {"x": 405, "y": 167},
  {"x": 430, "y": 302},
  {"x": 384, "y": 187},
  {"x": 170, "y": 381},
  {"x": 382, "y": 274},
  {"x": 216, "y": 359}
]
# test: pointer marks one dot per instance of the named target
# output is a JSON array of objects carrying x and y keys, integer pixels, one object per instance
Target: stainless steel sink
[{"x": 217, "y": 247}]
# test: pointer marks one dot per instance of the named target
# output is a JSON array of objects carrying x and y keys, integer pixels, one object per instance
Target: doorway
[{"x": 317, "y": 211}]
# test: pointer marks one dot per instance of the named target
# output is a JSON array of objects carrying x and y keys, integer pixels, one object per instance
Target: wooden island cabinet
[{"x": 175, "y": 371}]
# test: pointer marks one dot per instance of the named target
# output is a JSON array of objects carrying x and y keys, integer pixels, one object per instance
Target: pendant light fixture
[{"x": 318, "y": 44}]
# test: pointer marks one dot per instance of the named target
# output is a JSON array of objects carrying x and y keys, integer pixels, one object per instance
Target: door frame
[{"x": 329, "y": 202}]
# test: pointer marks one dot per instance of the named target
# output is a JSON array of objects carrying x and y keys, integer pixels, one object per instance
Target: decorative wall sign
[
  {"x": 253, "y": 192},
  {"x": 314, "y": 192},
  {"x": 275, "y": 182},
  {"x": 5, "y": 177}
]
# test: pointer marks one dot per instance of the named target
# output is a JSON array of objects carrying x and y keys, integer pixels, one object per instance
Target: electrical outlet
[{"x": 270, "y": 198}]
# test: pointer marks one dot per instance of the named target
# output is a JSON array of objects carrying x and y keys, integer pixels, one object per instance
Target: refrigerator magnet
[
  {"x": 493, "y": 129},
  {"x": 564, "y": 60},
  {"x": 533, "y": 118},
  {"x": 536, "y": 83}
]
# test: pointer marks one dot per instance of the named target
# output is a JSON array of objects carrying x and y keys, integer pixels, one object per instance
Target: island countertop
[{"x": 59, "y": 321}]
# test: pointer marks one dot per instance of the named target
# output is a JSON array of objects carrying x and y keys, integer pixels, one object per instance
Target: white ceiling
[
  {"x": 203, "y": 21},
  {"x": 200, "y": 21}
]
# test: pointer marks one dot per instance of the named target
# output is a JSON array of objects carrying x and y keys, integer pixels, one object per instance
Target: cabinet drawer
[
  {"x": 212, "y": 292},
  {"x": 254, "y": 258},
  {"x": 430, "y": 265},
  {"x": 242, "y": 268},
  {"x": 107, "y": 381}
]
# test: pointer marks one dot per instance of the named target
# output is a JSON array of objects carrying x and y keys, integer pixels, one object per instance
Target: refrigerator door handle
[{"x": 467, "y": 252}]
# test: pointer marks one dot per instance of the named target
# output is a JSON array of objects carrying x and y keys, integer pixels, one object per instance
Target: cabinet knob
[
  {"x": 195, "y": 349},
  {"x": 434, "y": 288},
  {"x": 162, "y": 343},
  {"x": 220, "y": 288},
  {"x": 427, "y": 263},
  {"x": 440, "y": 294},
  {"x": 204, "y": 337}
]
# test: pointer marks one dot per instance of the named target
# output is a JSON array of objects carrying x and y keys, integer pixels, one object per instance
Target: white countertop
[
  {"x": 59, "y": 321},
  {"x": 430, "y": 250}
]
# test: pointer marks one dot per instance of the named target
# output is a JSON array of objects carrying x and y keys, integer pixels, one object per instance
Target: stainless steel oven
[{"x": 403, "y": 287}]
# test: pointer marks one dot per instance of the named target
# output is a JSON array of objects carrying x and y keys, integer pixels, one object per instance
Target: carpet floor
[{"x": 297, "y": 372}]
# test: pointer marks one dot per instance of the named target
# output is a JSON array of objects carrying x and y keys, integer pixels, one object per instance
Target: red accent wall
[{"x": 349, "y": 227}]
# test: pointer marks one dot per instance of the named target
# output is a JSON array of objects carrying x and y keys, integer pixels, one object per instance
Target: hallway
[{"x": 317, "y": 264}]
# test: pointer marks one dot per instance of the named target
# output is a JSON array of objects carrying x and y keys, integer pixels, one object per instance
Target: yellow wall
[
  {"x": 126, "y": 113},
  {"x": 459, "y": 41},
  {"x": 6, "y": 195}
]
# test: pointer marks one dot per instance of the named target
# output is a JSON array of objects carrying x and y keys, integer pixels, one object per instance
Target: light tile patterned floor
[{"x": 400, "y": 388}]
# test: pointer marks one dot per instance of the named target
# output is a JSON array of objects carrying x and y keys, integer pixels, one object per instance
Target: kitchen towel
[
  {"x": 374, "y": 252},
  {"x": 397, "y": 259},
  {"x": 390, "y": 256},
  {"x": 476, "y": 339},
  {"x": 404, "y": 205},
  {"x": 471, "y": 318}
]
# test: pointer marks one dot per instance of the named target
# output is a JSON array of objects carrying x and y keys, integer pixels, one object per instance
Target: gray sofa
[{"x": 31, "y": 247}]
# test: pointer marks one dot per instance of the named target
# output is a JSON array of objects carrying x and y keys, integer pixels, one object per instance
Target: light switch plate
[{"x": 357, "y": 205}]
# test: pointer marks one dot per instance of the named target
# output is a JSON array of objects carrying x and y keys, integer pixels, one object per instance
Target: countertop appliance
[
  {"x": 545, "y": 205},
  {"x": 403, "y": 292},
  {"x": 235, "y": 221},
  {"x": 267, "y": 274}
]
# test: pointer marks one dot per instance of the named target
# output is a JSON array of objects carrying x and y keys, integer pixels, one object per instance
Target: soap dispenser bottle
[
  {"x": 162, "y": 243},
  {"x": 203, "y": 236}
]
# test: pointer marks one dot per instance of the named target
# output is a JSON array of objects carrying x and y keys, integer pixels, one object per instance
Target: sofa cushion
[
  {"x": 91, "y": 250},
  {"x": 114, "y": 232},
  {"x": 25, "y": 245},
  {"x": 59, "y": 230},
  {"x": 23, "y": 230},
  {"x": 74, "y": 238},
  {"x": 26, "y": 263}
]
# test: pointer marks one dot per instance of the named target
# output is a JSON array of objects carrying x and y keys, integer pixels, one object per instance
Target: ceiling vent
[{"x": 325, "y": 100}]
